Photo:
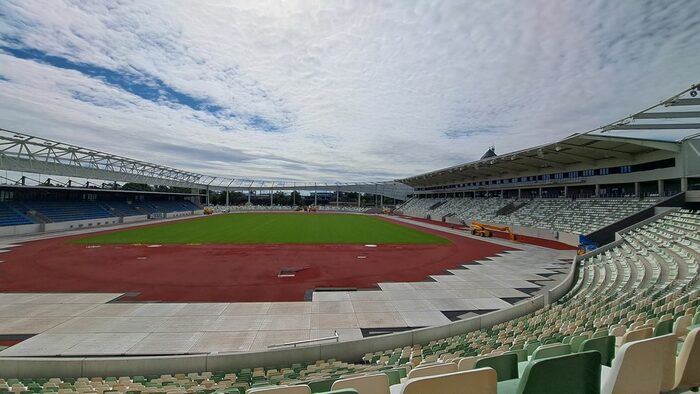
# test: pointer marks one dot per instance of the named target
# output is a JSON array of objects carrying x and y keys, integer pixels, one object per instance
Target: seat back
[
  {"x": 505, "y": 365},
  {"x": 467, "y": 363},
  {"x": 482, "y": 381},
  {"x": 577, "y": 373},
  {"x": 680, "y": 328},
  {"x": 604, "y": 345},
  {"x": 437, "y": 369},
  {"x": 547, "y": 351},
  {"x": 319, "y": 386},
  {"x": 394, "y": 375},
  {"x": 302, "y": 389},
  {"x": 688, "y": 362},
  {"x": 370, "y": 384},
  {"x": 641, "y": 366},
  {"x": 618, "y": 331},
  {"x": 522, "y": 354},
  {"x": 577, "y": 341},
  {"x": 637, "y": 335},
  {"x": 531, "y": 346},
  {"x": 663, "y": 327}
]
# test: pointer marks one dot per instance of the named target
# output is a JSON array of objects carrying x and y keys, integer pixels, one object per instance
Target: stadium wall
[
  {"x": 24, "y": 229},
  {"x": 134, "y": 219},
  {"x": 79, "y": 224}
]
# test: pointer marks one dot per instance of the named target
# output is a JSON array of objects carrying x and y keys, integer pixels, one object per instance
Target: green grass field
[{"x": 271, "y": 228}]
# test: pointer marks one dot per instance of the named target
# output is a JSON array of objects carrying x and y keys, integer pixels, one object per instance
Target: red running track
[{"x": 226, "y": 273}]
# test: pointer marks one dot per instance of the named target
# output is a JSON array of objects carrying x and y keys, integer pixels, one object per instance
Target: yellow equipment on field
[
  {"x": 581, "y": 250},
  {"x": 208, "y": 210},
  {"x": 485, "y": 230}
]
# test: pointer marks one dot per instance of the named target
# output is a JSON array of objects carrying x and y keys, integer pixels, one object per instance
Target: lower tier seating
[
  {"x": 10, "y": 216},
  {"x": 13, "y": 213},
  {"x": 580, "y": 216}
]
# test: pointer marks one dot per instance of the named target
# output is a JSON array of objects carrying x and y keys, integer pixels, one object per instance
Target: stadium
[{"x": 566, "y": 265}]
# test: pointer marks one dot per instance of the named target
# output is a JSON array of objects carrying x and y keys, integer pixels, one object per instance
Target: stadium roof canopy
[
  {"x": 655, "y": 128},
  {"x": 29, "y": 154}
]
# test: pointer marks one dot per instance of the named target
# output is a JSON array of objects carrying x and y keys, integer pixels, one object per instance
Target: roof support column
[
  {"x": 566, "y": 191},
  {"x": 337, "y": 198},
  {"x": 207, "y": 195},
  {"x": 249, "y": 192},
  {"x": 684, "y": 184},
  {"x": 660, "y": 187},
  {"x": 359, "y": 197},
  {"x": 597, "y": 190},
  {"x": 636, "y": 189}
]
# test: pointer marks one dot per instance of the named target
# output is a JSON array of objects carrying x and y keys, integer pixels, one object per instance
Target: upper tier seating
[{"x": 638, "y": 285}]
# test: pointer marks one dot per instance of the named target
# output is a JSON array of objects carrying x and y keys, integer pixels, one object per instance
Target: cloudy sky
[{"x": 334, "y": 90}]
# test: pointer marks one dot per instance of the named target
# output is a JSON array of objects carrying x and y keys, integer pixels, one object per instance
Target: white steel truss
[{"x": 26, "y": 153}]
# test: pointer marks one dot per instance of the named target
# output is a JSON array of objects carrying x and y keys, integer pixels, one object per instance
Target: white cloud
[{"x": 361, "y": 90}]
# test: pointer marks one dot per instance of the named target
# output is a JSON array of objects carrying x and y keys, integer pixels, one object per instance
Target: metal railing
[{"x": 295, "y": 343}]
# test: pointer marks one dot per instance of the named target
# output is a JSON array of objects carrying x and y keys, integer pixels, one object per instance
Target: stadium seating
[
  {"x": 263, "y": 208},
  {"x": 10, "y": 216},
  {"x": 123, "y": 208},
  {"x": 61, "y": 211},
  {"x": 13, "y": 213},
  {"x": 623, "y": 291},
  {"x": 333, "y": 208},
  {"x": 151, "y": 207},
  {"x": 581, "y": 216}
]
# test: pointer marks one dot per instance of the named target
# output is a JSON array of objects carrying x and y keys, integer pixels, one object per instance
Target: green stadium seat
[
  {"x": 546, "y": 351},
  {"x": 663, "y": 328},
  {"x": 604, "y": 345},
  {"x": 320, "y": 386},
  {"x": 577, "y": 373},
  {"x": 393, "y": 375},
  {"x": 505, "y": 365}
]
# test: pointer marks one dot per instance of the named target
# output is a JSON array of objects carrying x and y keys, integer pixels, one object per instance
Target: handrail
[{"x": 295, "y": 343}]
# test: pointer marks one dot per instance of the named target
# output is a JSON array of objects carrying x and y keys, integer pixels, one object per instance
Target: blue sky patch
[{"x": 145, "y": 86}]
